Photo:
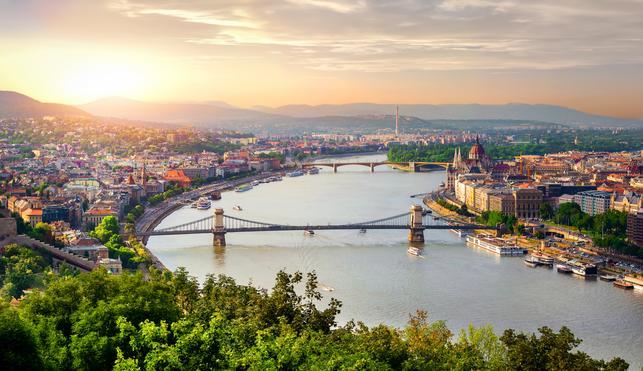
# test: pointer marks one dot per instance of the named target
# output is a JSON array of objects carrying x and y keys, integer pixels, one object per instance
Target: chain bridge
[{"x": 416, "y": 221}]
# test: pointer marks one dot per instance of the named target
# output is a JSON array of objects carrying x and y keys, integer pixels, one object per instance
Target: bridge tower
[
  {"x": 372, "y": 166},
  {"x": 416, "y": 229},
  {"x": 412, "y": 166},
  {"x": 334, "y": 167},
  {"x": 218, "y": 228}
]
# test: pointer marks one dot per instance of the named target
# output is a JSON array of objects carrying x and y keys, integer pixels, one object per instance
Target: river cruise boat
[
  {"x": 313, "y": 171},
  {"x": 564, "y": 269},
  {"x": 532, "y": 262},
  {"x": 255, "y": 183},
  {"x": 415, "y": 251},
  {"x": 203, "y": 204},
  {"x": 495, "y": 245},
  {"x": 243, "y": 188},
  {"x": 622, "y": 284},
  {"x": 237, "y": 208},
  {"x": 584, "y": 270},
  {"x": 295, "y": 173},
  {"x": 215, "y": 195},
  {"x": 607, "y": 277}
]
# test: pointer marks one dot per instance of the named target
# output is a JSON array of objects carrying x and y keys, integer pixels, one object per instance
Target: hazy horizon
[{"x": 585, "y": 55}]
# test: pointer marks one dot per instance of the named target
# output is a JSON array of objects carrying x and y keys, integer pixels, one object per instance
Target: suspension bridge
[{"x": 416, "y": 221}]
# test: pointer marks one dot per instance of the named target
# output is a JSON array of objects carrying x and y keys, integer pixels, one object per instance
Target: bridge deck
[{"x": 278, "y": 228}]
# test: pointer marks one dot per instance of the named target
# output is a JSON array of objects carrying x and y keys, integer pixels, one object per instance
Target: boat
[
  {"x": 607, "y": 277},
  {"x": 255, "y": 183},
  {"x": 495, "y": 245},
  {"x": 363, "y": 230},
  {"x": 309, "y": 232},
  {"x": 193, "y": 205},
  {"x": 543, "y": 258},
  {"x": 295, "y": 173},
  {"x": 237, "y": 208},
  {"x": 584, "y": 270},
  {"x": 532, "y": 262},
  {"x": 415, "y": 251},
  {"x": 215, "y": 195},
  {"x": 460, "y": 232},
  {"x": 622, "y": 284},
  {"x": 313, "y": 171},
  {"x": 243, "y": 188},
  {"x": 562, "y": 268},
  {"x": 203, "y": 204},
  {"x": 327, "y": 288}
]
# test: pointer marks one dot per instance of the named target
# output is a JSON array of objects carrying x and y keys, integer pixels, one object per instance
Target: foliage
[
  {"x": 108, "y": 233},
  {"x": 99, "y": 321},
  {"x": 171, "y": 191},
  {"x": 493, "y": 218},
  {"x": 20, "y": 268},
  {"x": 135, "y": 213},
  {"x": 462, "y": 210}
]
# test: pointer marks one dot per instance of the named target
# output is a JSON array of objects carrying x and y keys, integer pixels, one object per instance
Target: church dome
[{"x": 477, "y": 151}]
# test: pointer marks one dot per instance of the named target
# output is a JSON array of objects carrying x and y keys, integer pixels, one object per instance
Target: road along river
[{"x": 379, "y": 282}]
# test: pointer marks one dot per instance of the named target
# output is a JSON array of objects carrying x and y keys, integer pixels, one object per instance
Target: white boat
[
  {"x": 313, "y": 171},
  {"x": 295, "y": 173},
  {"x": 415, "y": 251},
  {"x": 309, "y": 232},
  {"x": 237, "y": 208},
  {"x": 584, "y": 270},
  {"x": 203, "y": 203},
  {"x": 255, "y": 183},
  {"x": 243, "y": 188},
  {"x": 193, "y": 205},
  {"x": 460, "y": 232},
  {"x": 495, "y": 245}
]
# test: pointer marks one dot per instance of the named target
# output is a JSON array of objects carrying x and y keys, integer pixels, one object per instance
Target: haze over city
[{"x": 586, "y": 55}]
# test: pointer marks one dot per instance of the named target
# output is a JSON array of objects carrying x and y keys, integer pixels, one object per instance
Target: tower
[{"x": 397, "y": 121}]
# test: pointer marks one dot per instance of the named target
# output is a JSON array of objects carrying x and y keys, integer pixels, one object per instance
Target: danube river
[{"x": 378, "y": 282}]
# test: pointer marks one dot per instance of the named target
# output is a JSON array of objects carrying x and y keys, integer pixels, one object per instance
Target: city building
[
  {"x": 593, "y": 202},
  {"x": 527, "y": 202},
  {"x": 635, "y": 228}
]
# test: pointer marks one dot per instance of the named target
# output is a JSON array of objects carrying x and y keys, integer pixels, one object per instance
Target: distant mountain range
[
  {"x": 361, "y": 115},
  {"x": 14, "y": 104}
]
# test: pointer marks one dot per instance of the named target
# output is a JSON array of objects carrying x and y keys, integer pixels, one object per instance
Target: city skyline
[{"x": 585, "y": 55}]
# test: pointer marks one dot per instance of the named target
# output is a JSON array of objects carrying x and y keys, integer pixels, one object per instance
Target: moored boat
[
  {"x": 543, "y": 259},
  {"x": 584, "y": 270},
  {"x": 215, "y": 195},
  {"x": 607, "y": 277},
  {"x": 313, "y": 171},
  {"x": 203, "y": 204},
  {"x": 622, "y": 284},
  {"x": 562, "y": 268},
  {"x": 295, "y": 173},
  {"x": 532, "y": 262},
  {"x": 495, "y": 245},
  {"x": 243, "y": 188}
]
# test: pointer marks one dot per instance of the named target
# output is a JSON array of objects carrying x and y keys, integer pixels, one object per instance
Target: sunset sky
[{"x": 584, "y": 54}]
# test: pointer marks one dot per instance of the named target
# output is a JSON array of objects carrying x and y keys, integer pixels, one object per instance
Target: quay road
[{"x": 153, "y": 215}]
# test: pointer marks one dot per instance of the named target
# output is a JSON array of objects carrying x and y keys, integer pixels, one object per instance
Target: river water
[{"x": 378, "y": 282}]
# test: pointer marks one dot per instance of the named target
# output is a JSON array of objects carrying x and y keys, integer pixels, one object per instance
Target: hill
[
  {"x": 199, "y": 114},
  {"x": 14, "y": 104},
  {"x": 511, "y": 111}
]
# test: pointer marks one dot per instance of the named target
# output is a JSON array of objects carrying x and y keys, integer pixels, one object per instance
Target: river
[{"x": 378, "y": 282}]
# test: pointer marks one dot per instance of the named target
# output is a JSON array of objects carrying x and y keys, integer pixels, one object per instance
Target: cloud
[
  {"x": 349, "y": 6},
  {"x": 382, "y": 35}
]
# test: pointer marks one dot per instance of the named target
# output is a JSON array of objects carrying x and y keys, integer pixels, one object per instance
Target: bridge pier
[
  {"x": 218, "y": 228},
  {"x": 372, "y": 165},
  {"x": 334, "y": 168},
  {"x": 416, "y": 229}
]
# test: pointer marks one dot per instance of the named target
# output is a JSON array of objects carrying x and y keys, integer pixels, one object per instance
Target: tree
[
  {"x": 546, "y": 211},
  {"x": 18, "y": 348}
]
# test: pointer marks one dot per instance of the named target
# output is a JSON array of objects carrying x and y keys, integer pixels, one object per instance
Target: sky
[{"x": 583, "y": 54}]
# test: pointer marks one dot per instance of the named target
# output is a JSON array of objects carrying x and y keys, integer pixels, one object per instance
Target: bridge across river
[
  {"x": 416, "y": 221},
  {"x": 412, "y": 166}
]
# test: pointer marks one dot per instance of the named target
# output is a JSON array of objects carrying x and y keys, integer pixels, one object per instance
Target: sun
[{"x": 96, "y": 80}]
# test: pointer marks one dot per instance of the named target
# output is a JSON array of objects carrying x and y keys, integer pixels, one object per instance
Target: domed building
[
  {"x": 477, "y": 163},
  {"x": 476, "y": 152}
]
